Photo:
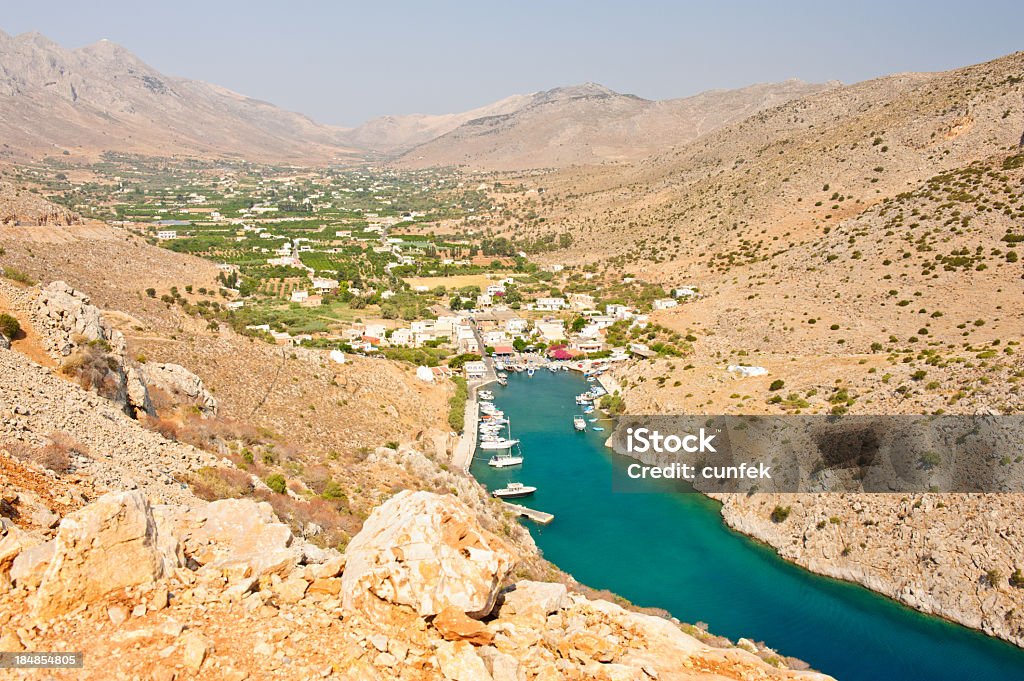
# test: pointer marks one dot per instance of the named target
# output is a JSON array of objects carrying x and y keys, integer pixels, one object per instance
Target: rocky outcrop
[
  {"x": 422, "y": 551},
  {"x": 22, "y": 207},
  {"x": 233, "y": 536},
  {"x": 223, "y": 589},
  {"x": 77, "y": 335},
  {"x": 922, "y": 550},
  {"x": 180, "y": 382},
  {"x": 106, "y": 546}
]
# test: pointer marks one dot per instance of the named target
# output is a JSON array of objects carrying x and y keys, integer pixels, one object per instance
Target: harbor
[{"x": 671, "y": 550}]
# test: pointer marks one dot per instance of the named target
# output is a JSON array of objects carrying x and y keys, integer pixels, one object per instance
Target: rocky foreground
[{"x": 222, "y": 590}]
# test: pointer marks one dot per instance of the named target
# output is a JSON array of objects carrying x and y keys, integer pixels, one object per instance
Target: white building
[
  {"x": 299, "y": 296},
  {"x": 166, "y": 234},
  {"x": 665, "y": 303},
  {"x": 550, "y": 304},
  {"x": 401, "y": 336},
  {"x": 684, "y": 292},
  {"x": 475, "y": 369},
  {"x": 551, "y": 331},
  {"x": 516, "y": 326},
  {"x": 324, "y": 285}
]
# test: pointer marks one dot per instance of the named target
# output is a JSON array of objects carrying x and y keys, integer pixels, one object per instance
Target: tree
[
  {"x": 276, "y": 482},
  {"x": 519, "y": 344}
]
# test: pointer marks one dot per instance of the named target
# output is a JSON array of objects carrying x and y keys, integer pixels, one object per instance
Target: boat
[
  {"x": 593, "y": 420},
  {"x": 513, "y": 490},
  {"x": 591, "y": 379},
  {"x": 502, "y": 374},
  {"x": 505, "y": 460},
  {"x": 502, "y": 381},
  {"x": 498, "y": 443},
  {"x": 530, "y": 371},
  {"x": 578, "y": 423},
  {"x": 598, "y": 428},
  {"x": 486, "y": 395},
  {"x": 589, "y": 409},
  {"x": 584, "y": 399}
]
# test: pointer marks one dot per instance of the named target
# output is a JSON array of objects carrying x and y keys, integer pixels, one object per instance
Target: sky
[{"x": 342, "y": 62}]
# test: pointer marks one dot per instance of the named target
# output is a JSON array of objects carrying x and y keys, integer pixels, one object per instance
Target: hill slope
[
  {"x": 101, "y": 97},
  {"x": 588, "y": 123}
]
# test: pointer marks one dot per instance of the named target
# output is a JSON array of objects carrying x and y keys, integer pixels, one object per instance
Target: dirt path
[{"x": 28, "y": 341}]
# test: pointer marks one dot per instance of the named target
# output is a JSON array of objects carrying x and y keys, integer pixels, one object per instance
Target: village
[{"x": 413, "y": 266}]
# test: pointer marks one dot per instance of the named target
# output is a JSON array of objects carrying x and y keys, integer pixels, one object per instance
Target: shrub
[
  {"x": 1017, "y": 579},
  {"x": 777, "y": 384},
  {"x": 9, "y": 326},
  {"x": 17, "y": 275},
  {"x": 780, "y": 513},
  {"x": 276, "y": 482}
]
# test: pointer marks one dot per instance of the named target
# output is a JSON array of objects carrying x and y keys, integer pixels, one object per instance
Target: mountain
[
  {"x": 392, "y": 134},
  {"x": 102, "y": 97},
  {"x": 589, "y": 123}
]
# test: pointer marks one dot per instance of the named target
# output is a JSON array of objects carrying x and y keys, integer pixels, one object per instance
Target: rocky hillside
[
  {"x": 861, "y": 245},
  {"x": 589, "y": 124},
  {"x": 23, "y": 207},
  {"x": 101, "y": 97},
  {"x": 222, "y": 590}
]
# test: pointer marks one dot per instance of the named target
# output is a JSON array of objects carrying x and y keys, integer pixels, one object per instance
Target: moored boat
[
  {"x": 578, "y": 423},
  {"x": 498, "y": 443},
  {"x": 514, "y": 490},
  {"x": 504, "y": 461}
]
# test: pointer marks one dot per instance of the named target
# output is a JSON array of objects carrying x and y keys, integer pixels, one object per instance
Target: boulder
[
  {"x": 428, "y": 552},
  {"x": 240, "y": 537},
  {"x": 543, "y": 598},
  {"x": 459, "y": 662},
  {"x": 101, "y": 548},
  {"x": 71, "y": 313},
  {"x": 177, "y": 380},
  {"x": 455, "y": 625}
]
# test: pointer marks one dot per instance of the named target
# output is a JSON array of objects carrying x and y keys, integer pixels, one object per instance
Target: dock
[{"x": 539, "y": 517}]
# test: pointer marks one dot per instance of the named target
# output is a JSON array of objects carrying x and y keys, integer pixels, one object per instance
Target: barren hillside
[{"x": 589, "y": 124}]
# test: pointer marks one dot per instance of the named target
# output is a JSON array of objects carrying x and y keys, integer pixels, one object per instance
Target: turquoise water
[{"x": 672, "y": 551}]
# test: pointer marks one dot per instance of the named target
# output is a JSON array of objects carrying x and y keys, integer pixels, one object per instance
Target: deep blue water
[{"x": 671, "y": 550}]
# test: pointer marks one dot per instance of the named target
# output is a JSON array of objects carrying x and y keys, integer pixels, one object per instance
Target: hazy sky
[{"x": 343, "y": 62}]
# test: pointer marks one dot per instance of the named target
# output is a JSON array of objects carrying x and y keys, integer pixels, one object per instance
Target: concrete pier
[{"x": 540, "y": 517}]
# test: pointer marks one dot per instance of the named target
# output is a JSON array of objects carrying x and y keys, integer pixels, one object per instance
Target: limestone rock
[
  {"x": 455, "y": 625},
  {"x": 102, "y": 547},
  {"x": 544, "y": 598},
  {"x": 30, "y": 565},
  {"x": 428, "y": 552},
  {"x": 459, "y": 662},
  {"x": 240, "y": 537},
  {"x": 178, "y": 380}
]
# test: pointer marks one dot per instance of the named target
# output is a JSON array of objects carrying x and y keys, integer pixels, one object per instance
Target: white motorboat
[
  {"x": 498, "y": 443},
  {"x": 578, "y": 423},
  {"x": 514, "y": 490},
  {"x": 486, "y": 395},
  {"x": 584, "y": 399}
]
